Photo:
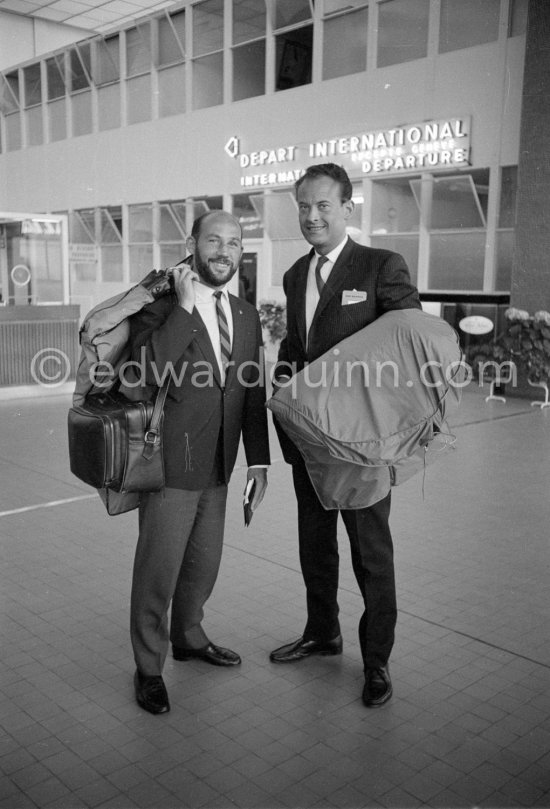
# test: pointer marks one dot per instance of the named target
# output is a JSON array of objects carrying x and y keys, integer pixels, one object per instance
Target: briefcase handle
[{"x": 152, "y": 433}]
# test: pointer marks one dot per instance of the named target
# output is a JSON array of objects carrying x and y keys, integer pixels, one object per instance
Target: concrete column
[{"x": 530, "y": 287}]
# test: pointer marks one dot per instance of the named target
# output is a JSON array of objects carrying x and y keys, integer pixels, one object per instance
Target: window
[
  {"x": 208, "y": 54},
  {"x": 290, "y": 12},
  {"x": 108, "y": 106},
  {"x": 171, "y": 38},
  {"x": 202, "y": 205},
  {"x": 249, "y": 21},
  {"x": 171, "y": 82},
  {"x": 33, "y": 100},
  {"x": 33, "y": 86},
  {"x": 457, "y": 229},
  {"x": 107, "y": 77},
  {"x": 82, "y": 113},
  {"x": 402, "y": 31},
  {"x": 208, "y": 81},
  {"x": 9, "y": 92},
  {"x": 80, "y": 67},
  {"x": 79, "y": 78},
  {"x": 396, "y": 220},
  {"x": 138, "y": 50},
  {"x": 349, "y": 28},
  {"x": 55, "y": 74},
  {"x": 42, "y": 252},
  {"x": 171, "y": 56},
  {"x": 9, "y": 100},
  {"x": 354, "y": 226},
  {"x": 394, "y": 207},
  {"x": 457, "y": 202},
  {"x": 139, "y": 99},
  {"x": 467, "y": 23},
  {"x": 138, "y": 70},
  {"x": 84, "y": 257},
  {"x": 249, "y": 70},
  {"x": 279, "y": 213},
  {"x": 293, "y": 46},
  {"x": 247, "y": 212},
  {"x": 457, "y": 261},
  {"x": 111, "y": 243},
  {"x": 107, "y": 60},
  {"x": 294, "y": 51},
  {"x": 82, "y": 226},
  {"x": 13, "y": 132},
  {"x": 207, "y": 27},
  {"x": 140, "y": 240},
  {"x": 172, "y": 232}
]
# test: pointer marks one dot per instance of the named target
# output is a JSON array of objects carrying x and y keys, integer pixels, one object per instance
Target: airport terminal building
[{"x": 112, "y": 143}]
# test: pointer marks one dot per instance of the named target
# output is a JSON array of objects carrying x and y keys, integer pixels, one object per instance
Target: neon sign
[{"x": 429, "y": 145}]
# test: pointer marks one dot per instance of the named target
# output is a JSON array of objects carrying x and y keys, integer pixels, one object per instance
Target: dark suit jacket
[
  {"x": 382, "y": 274},
  {"x": 166, "y": 336}
]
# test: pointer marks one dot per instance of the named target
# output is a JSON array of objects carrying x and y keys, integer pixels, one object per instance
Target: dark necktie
[
  {"x": 225, "y": 338},
  {"x": 318, "y": 278}
]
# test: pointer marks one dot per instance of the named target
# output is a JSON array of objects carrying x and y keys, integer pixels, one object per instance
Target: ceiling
[{"x": 87, "y": 14}]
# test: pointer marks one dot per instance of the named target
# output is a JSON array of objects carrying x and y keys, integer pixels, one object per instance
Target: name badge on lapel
[{"x": 350, "y": 296}]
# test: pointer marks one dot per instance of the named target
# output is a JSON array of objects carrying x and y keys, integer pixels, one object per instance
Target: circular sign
[
  {"x": 20, "y": 275},
  {"x": 476, "y": 324}
]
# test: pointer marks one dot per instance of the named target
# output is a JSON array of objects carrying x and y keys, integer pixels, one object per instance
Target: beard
[{"x": 211, "y": 275}]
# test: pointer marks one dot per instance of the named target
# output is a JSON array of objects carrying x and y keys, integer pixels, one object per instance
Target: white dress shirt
[{"x": 312, "y": 293}]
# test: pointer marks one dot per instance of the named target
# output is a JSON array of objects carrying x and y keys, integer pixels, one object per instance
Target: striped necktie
[
  {"x": 225, "y": 338},
  {"x": 318, "y": 278}
]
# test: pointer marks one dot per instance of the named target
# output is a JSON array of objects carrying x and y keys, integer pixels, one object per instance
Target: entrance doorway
[
  {"x": 248, "y": 277},
  {"x": 34, "y": 265}
]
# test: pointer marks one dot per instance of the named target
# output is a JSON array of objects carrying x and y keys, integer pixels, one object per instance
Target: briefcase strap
[{"x": 152, "y": 433}]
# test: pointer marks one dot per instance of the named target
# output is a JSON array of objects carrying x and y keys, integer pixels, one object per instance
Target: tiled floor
[{"x": 469, "y": 724}]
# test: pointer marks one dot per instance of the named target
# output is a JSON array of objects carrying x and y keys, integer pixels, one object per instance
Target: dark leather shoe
[
  {"x": 211, "y": 653},
  {"x": 378, "y": 688},
  {"x": 305, "y": 648},
  {"x": 151, "y": 693}
]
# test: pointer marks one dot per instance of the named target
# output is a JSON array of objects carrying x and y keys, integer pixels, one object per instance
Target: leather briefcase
[{"x": 116, "y": 444}]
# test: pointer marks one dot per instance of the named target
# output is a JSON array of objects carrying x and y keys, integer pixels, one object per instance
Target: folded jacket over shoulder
[{"x": 372, "y": 411}]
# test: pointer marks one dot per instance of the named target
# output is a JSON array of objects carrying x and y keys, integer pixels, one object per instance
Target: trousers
[
  {"x": 176, "y": 563},
  {"x": 372, "y": 561}
]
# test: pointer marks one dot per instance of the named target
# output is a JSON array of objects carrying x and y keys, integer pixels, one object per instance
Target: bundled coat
[{"x": 372, "y": 411}]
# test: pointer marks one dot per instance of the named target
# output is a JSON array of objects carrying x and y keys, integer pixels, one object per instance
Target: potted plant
[
  {"x": 536, "y": 347},
  {"x": 524, "y": 344},
  {"x": 273, "y": 321}
]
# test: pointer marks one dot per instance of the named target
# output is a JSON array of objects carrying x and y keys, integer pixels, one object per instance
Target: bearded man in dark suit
[
  {"x": 216, "y": 394},
  {"x": 334, "y": 291}
]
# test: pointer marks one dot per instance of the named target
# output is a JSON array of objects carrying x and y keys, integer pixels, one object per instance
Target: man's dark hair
[
  {"x": 197, "y": 224},
  {"x": 333, "y": 172}
]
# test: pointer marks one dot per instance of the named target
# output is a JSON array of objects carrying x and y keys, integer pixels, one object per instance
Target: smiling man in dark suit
[
  {"x": 334, "y": 291},
  {"x": 209, "y": 342}
]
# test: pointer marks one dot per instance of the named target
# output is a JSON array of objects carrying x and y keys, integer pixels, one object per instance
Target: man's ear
[
  {"x": 349, "y": 207},
  {"x": 190, "y": 244}
]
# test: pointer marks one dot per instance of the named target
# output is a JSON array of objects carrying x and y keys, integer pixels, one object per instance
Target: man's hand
[
  {"x": 158, "y": 282},
  {"x": 259, "y": 476},
  {"x": 183, "y": 286}
]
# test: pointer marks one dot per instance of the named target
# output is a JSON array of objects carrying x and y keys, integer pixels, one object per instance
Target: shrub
[{"x": 273, "y": 319}]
